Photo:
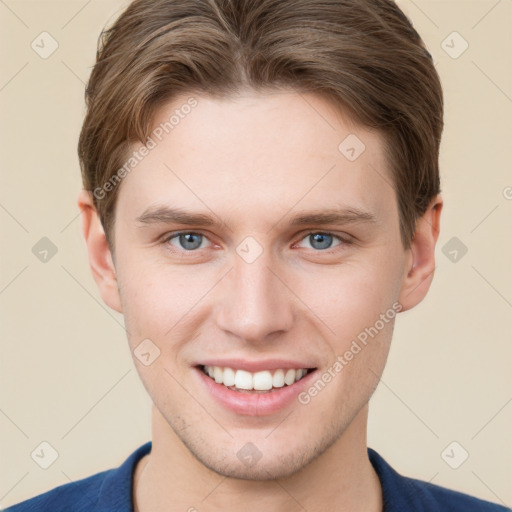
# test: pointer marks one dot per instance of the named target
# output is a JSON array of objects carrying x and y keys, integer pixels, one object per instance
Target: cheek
[
  {"x": 352, "y": 296},
  {"x": 159, "y": 302}
]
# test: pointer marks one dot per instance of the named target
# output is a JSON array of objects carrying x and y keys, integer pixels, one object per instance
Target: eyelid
[
  {"x": 168, "y": 236},
  {"x": 344, "y": 239}
]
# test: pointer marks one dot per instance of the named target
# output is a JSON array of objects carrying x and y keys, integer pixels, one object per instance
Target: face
[{"x": 247, "y": 240}]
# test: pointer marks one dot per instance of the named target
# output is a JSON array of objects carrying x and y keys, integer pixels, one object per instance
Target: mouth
[{"x": 260, "y": 382}]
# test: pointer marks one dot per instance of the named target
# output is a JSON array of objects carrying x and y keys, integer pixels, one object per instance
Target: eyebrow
[
  {"x": 341, "y": 216},
  {"x": 167, "y": 215}
]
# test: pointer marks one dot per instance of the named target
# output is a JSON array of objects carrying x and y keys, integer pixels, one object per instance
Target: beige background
[{"x": 66, "y": 374}]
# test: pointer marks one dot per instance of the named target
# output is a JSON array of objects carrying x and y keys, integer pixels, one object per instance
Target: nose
[{"x": 256, "y": 305}]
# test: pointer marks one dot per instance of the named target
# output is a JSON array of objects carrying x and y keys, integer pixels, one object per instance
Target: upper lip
[{"x": 256, "y": 366}]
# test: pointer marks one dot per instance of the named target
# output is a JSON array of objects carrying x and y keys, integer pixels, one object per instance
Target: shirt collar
[
  {"x": 399, "y": 493},
  {"x": 116, "y": 491}
]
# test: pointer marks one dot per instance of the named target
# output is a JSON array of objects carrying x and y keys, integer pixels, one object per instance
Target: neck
[{"x": 341, "y": 478}]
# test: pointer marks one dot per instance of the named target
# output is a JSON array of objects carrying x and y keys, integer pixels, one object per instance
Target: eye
[
  {"x": 321, "y": 241},
  {"x": 186, "y": 240},
  {"x": 190, "y": 241}
]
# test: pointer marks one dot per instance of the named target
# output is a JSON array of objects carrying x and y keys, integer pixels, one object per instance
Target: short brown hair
[{"x": 363, "y": 55}]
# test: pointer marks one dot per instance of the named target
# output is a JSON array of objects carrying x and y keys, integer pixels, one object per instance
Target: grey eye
[
  {"x": 320, "y": 240},
  {"x": 188, "y": 241}
]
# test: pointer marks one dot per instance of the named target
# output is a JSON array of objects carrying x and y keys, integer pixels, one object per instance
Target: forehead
[{"x": 263, "y": 152}]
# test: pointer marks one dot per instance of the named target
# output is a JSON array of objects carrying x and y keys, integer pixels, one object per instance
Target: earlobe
[
  {"x": 419, "y": 270},
  {"x": 100, "y": 257}
]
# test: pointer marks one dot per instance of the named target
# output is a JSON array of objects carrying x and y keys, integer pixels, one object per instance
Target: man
[{"x": 261, "y": 199}]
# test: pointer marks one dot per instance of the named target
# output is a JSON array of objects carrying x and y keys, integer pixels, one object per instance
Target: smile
[{"x": 258, "y": 382}]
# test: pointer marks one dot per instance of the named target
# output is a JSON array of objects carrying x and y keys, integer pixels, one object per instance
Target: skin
[{"x": 253, "y": 162}]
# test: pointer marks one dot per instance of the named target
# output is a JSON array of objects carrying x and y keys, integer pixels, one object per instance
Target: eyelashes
[
  {"x": 323, "y": 234},
  {"x": 192, "y": 241}
]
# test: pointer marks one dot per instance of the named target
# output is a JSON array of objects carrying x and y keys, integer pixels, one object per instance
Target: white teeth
[
  {"x": 243, "y": 379},
  {"x": 262, "y": 381},
  {"x": 289, "y": 377},
  {"x": 229, "y": 377},
  {"x": 278, "y": 379},
  {"x": 218, "y": 375},
  {"x": 258, "y": 381}
]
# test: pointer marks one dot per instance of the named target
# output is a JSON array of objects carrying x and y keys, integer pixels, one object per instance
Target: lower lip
[{"x": 255, "y": 404}]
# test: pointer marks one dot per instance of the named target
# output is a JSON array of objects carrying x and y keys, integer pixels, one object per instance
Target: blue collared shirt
[{"x": 111, "y": 491}]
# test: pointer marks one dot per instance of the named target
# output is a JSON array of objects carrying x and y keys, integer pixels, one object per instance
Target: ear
[
  {"x": 420, "y": 265},
  {"x": 100, "y": 257}
]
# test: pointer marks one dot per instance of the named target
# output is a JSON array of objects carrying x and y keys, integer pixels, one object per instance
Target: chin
[
  {"x": 263, "y": 470},
  {"x": 262, "y": 459}
]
